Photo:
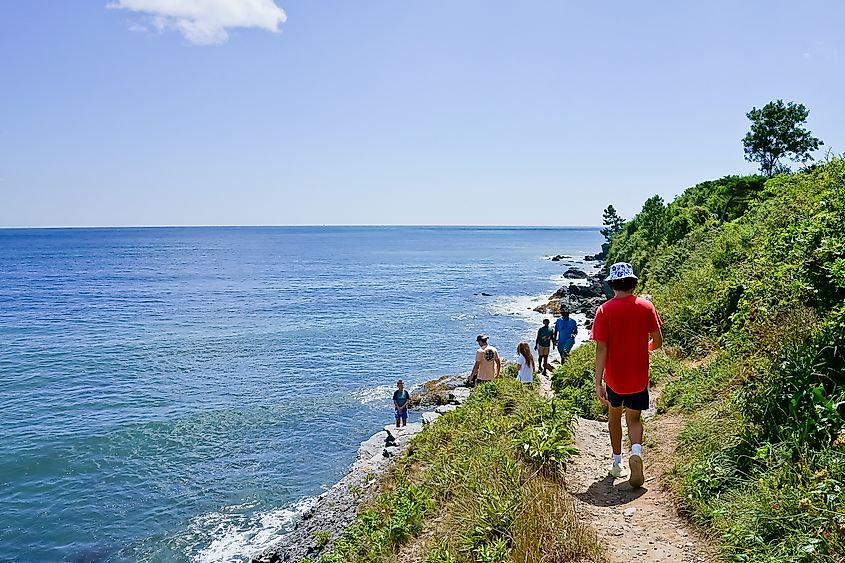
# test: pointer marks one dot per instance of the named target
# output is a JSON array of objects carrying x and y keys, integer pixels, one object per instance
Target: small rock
[
  {"x": 429, "y": 417},
  {"x": 459, "y": 394},
  {"x": 628, "y": 512},
  {"x": 575, "y": 274}
]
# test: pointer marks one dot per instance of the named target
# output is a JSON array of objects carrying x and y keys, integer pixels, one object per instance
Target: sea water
[{"x": 181, "y": 394}]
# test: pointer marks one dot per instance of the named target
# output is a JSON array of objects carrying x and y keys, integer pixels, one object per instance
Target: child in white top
[{"x": 525, "y": 361}]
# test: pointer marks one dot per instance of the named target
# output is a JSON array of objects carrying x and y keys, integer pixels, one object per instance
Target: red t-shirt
[{"x": 625, "y": 323}]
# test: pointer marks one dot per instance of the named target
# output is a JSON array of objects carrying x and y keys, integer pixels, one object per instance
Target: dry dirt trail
[{"x": 633, "y": 524}]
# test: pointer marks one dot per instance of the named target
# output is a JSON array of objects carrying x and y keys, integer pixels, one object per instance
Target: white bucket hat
[{"x": 621, "y": 270}]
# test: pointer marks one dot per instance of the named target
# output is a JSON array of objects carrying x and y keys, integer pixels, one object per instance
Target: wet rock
[
  {"x": 436, "y": 391},
  {"x": 575, "y": 274}
]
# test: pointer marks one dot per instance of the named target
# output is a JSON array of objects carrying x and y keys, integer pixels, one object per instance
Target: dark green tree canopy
[
  {"x": 612, "y": 222},
  {"x": 776, "y": 133}
]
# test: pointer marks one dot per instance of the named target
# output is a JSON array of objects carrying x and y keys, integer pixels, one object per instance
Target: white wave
[
  {"x": 520, "y": 306},
  {"x": 367, "y": 395},
  {"x": 239, "y": 536}
]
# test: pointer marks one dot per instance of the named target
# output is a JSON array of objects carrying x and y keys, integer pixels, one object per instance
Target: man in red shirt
[{"x": 625, "y": 329}]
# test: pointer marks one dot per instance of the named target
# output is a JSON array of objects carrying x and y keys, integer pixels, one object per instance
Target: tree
[
  {"x": 775, "y": 134},
  {"x": 652, "y": 219},
  {"x": 612, "y": 222}
]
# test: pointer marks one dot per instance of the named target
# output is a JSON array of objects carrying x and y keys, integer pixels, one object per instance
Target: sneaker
[
  {"x": 616, "y": 471},
  {"x": 636, "y": 464}
]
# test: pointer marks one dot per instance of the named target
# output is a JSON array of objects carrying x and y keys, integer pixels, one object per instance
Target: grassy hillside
[
  {"x": 482, "y": 484},
  {"x": 749, "y": 277}
]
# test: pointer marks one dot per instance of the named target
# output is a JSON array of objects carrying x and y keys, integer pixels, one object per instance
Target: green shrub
[
  {"x": 548, "y": 447},
  {"x": 759, "y": 290}
]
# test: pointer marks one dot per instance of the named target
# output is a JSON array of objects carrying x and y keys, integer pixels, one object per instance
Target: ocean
[{"x": 180, "y": 394}]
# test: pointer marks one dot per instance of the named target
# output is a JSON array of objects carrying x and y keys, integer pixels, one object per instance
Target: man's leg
[
  {"x": 635, "y": 434},
  {"x": 614, "y": 426},
  {"x": 635, "y": 426}
]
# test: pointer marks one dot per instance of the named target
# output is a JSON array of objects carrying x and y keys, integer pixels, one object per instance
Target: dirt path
[{"x": 634, "y": 524}]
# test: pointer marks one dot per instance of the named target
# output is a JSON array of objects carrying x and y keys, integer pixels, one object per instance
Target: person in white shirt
[{"x": 525, "y": 361}]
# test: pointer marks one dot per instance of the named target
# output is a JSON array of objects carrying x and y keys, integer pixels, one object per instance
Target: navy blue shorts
[
  {"x": 402, "y": 413},
  {"x": 633, "y": 401}
]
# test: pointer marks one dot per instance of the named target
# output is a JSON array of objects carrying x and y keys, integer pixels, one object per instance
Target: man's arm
[
  {"x": 601, "y": 361},
  {"x": 656, "y": 339},
  {"x": 474, "y": 371},
  {"x": 498, "y": 364}
]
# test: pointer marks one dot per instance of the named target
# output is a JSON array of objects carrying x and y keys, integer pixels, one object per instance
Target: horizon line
[{"x": 310, "y": 225}]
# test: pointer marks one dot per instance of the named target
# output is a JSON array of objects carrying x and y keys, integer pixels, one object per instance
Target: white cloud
[{"x": 205, "y": 22}]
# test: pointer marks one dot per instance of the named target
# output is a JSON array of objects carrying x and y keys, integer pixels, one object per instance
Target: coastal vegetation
[
  {"x": 484, "y": 483},
  {"x": 748, "y": 274},
  {"x": 776, "y": 133}
]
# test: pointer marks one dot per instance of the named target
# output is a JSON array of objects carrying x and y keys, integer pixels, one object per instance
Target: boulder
[
  {"x": 373, "y": 446},
  {"x": 443, "y": 409},
  {"x": 436, "y": 392},
  {"x": 459, "y": 395},
  {"x": 575, "y": 274},
  {"x": 429, "y": 417},
  {"x": 593, "y": 289}
]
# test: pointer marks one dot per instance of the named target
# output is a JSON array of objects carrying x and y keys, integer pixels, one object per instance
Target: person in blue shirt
[
  {"x": 400, "y": 403},
  {"x": 565, "y": 331}
]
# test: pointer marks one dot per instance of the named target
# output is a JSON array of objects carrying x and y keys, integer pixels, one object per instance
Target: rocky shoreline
[
  {"x": 334, "y": 510},
  {"x": 585, "y": 292}
]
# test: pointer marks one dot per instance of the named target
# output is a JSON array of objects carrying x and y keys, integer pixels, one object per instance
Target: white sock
[
  {"x": 617, "y": 459},
  {"x": 637, "y": 449}
]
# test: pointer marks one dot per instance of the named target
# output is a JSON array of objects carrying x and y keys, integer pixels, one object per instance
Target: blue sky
[{"x": 246, "y": 112}]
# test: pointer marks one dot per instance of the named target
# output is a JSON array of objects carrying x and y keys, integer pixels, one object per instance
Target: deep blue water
[{"x": 171, "y": 394}]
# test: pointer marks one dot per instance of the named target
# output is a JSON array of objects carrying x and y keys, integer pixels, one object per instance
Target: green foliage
[
  {"x": 574, "y": 382},
  {"x": 775, "y": 134},
  {"x": 753, "y": 301},
  {"x": 321, "y": 538},
  {"x": 473, "y": 469},
  {"x": 612, "y": 222},
  {"x": 548, "y": 446},
  {"x": 439, "y": 552}
]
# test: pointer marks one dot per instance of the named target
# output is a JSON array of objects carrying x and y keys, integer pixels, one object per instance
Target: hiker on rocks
[
  {"x": 565, "y": 331},
  {"x": 626, "y": 327},
  {"x": 400, "y": 403},
  {"x": 543, "y": 345},
  {"x": 525, "y": 361},
  {"x": 487, "y": 363}
]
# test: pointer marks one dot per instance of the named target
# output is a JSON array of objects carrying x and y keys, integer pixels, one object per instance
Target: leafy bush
[
  {"x": 548, "y": 447},
  {"x": 755, "y": 295}
]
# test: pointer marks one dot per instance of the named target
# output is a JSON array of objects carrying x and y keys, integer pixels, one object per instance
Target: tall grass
[{"x": 492, "y": 473}]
